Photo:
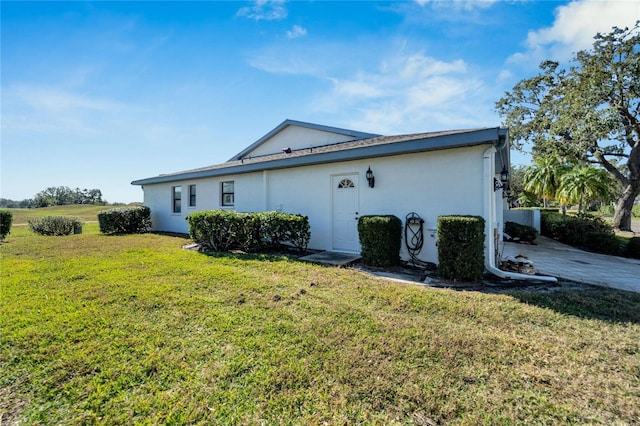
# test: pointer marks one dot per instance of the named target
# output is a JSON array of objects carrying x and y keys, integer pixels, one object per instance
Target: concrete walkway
[
  {"x": 332, "y": 258},
  {"x": 550, "y": 257}
]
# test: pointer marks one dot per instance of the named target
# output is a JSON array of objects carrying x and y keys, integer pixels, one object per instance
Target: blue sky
[{"x": 97, "y": 94}]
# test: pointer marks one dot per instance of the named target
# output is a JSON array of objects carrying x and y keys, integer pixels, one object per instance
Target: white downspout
[
  {"x": 265, "y": 191},
  {"x": 490, "y": 218}
]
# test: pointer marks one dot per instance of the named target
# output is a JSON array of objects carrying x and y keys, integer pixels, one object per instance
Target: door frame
[{"x": 355, "y": 177}]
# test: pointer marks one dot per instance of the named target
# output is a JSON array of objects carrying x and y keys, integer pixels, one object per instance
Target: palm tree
[
  {"x": 583, "y": 184},
  {"x": 542, "y": 178}
]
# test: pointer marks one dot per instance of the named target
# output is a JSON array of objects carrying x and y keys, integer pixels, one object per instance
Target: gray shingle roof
[{"x": 377, "y": 146}]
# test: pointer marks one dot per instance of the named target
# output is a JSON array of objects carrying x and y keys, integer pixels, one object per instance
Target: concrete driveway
[{"x": 550, "y": 257}]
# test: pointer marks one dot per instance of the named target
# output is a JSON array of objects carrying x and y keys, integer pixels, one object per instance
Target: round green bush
[
  {"x": 6, "y": 219},
  {"x": 56, "y": 225}
]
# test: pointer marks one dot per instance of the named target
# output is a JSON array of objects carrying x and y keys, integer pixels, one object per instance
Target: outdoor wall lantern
[
  {"x": 370, "y": 178},
  {"x": 504, "y": 182},
  {"x": 504, "y": 176}
]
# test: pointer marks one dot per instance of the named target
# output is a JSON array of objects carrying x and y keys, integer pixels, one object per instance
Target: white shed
[{"x": 321, "y": 172}]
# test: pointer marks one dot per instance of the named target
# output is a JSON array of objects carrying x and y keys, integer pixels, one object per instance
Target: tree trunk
[
  {"x": 622, "y": 214},
  {"x": 580, "y": 205}
]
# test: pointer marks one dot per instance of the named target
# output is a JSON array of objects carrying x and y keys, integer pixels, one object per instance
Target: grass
[
  {"x": 85, "y": 212},
  {"x": 100, "y": 329}
]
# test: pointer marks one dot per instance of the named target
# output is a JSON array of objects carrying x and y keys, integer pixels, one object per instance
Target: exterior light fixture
[
  {"x": 504, "y": 182},
  {"x": 286, "y": 150},
  {"x": 370, "y": 178},
  {"x": 504, "y": 176}
]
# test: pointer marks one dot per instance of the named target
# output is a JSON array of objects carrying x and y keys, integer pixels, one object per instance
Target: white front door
[{"x": 345, "y": 213}]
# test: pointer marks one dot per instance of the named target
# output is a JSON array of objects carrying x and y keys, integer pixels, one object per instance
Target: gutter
[{"x": 490, "y": 217}]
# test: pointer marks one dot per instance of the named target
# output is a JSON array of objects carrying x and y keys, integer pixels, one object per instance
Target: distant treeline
[{"x": 57, "y": 196}]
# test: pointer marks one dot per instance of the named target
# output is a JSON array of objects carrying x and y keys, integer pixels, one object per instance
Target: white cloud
[
  {"x": 46, "y": 110},
  {"x": 359, "y": 88},
  {"x": 264, "y": 10},
  {"x": 458, "y": 4},
  {"x": 311, "y": 59},
  {"x": 505, "y": 75},
  {"x": 296, "y": 31},
  {"x": 574, "y": 27},
  {"x": 56, "y": 100},
  {"x": 408, "y": 93}
]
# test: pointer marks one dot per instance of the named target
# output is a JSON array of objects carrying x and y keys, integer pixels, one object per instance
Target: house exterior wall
[
  {"x": 296, "y": 137},
  {"x": 430, "y": 184}
]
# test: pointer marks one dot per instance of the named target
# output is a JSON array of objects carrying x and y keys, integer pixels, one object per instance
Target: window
[
  {"x": 228, "y": 194},
  {"x": 176, "y": 196},
  {"x": 346, "y": 183},
  {"x": 192, "y": 195}
]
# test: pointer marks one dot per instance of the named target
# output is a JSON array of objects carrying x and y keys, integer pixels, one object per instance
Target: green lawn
[
  {"x": 134, "y": 330},
  {"x": 85, "y": 212}
]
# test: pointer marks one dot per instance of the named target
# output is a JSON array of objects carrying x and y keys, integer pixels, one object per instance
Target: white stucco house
[{"x": 321, "y": 171}]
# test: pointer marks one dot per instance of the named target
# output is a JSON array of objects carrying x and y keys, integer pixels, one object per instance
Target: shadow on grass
[
  {"x": 267, "y": 254},
  {"x": 267, "y": 257},
  {"x": 597, "y": 303}
]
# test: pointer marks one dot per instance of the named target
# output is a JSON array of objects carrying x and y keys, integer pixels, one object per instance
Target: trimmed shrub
[
  {"x": 573, "y": 230},
  {"x": 542, "y": 209},
  {"x": 461, "y": 247},
  {"x": 633, "y": 248},
  {"x": 214, "y": 229},
  {"x": 6, "y": 219},
  {"x": 125, "y": 220},
  {"x": 222, "y": 230},
  {"x": 56, "y": 225},
  {"x": 603, "y": 242},
  {"x": 521, "y": 232},
  {"x": 279, "y": 227},
  {"x": 380, "y": 238},
  {"x": 635, "y": 210}
]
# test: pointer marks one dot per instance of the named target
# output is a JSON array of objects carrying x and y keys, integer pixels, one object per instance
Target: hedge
[
  {"x": 6, "y": 219},
  {"x": 222, "y": 230},
  {"x": 542, "y": 209},
  {"x": 461, "y": 247},
  {"x": 521, "y": 232},
  {"x": 633, "y": 248},
  {"x": 56, "y": 225},
  {"x": 125, "y": 220},
  {"x": 380, "y": 239},
  {"x": 603, "y": 242},
  {"x": 578, "y": 230}
]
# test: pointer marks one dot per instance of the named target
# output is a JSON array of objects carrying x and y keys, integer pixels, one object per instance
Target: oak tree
[{"x": 589, "y": 111}]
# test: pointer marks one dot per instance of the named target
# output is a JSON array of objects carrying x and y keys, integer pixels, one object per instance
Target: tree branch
[{"x": 611, "y": 168}]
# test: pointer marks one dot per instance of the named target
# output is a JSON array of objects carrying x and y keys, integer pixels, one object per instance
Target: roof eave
[{"x": 450, "y": 141}]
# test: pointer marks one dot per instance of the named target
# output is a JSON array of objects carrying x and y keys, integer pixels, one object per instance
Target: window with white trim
[
  {"x": 228, "y": 193},
  {"x": 192, "y": 195},
  {"x": 176, "y": 198}
]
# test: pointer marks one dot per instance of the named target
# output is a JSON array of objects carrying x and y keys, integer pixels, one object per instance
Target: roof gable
[{"x": 296, "y": 135}]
